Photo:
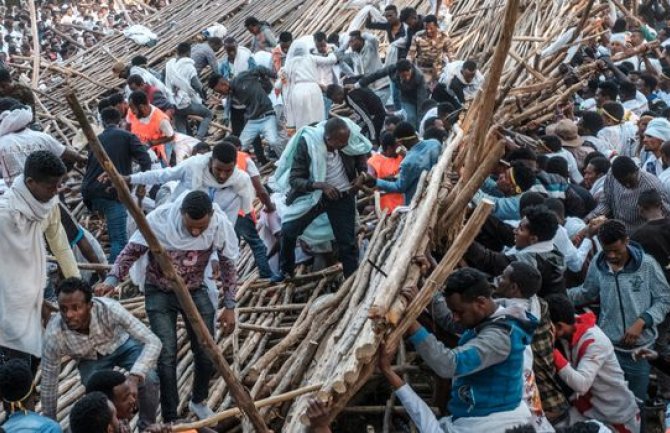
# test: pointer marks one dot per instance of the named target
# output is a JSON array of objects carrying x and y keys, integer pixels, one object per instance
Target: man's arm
[
  {"x": 589, "y": 291},
  {"x": 158, "y": 176},
  {"x": 211, "y": 60},
  {"x": 603, "y": 207},
  {"x": 377, "y": 75},
  {"x": 403, "y": 181},
  {"x": 491, "y": 346},
  {"x": 124, "y": 261},
  {"x": 228, "y": 277},
  {"x": 580, "y": 378},
  {"x": 375, "y": 25},
  {"x": 59, "y": 245},
  {"x": 262, "y": 194},
  {"x": 50, "y": 365},
  {"x": 660, "y": 297},
  {"x": 137, "y": 330},
  {"x": 486, "y": 260},
  {"x": 139, "y": 153}
]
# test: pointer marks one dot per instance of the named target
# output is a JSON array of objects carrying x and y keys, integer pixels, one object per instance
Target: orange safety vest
[
  {"x": 387, "y": 167},
  {"x": 242, "y": 163},
  {"x": 150, "y": 131}
]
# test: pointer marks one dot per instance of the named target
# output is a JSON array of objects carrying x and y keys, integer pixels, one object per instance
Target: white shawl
[{"x": 23, "y": 270}]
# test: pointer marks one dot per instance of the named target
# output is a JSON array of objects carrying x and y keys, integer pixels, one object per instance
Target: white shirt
[
  {"x": 575, "y": 175},
  {"x": 336, "y": 176},
  {"x": 15, "y": 148},
  {"x": 664, "y": 177},
  {"x": 652, "y": 162}
]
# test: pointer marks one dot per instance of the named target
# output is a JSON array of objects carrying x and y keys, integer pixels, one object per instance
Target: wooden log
[
  {"x": 190, "y": 312},
  {"x": 36, "y": 43},
  {"x": 264, "y": 329}
]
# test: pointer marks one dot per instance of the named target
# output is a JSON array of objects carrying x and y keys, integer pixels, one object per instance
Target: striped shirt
[{"x": 620, "y": 202}]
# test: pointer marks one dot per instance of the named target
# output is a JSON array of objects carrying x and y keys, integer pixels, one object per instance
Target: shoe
[
  {"x": 200, "y": 410},
  {"x": 280, "y": 277}
]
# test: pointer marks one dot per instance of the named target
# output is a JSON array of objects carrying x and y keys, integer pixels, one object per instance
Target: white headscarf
[{"x": 15, "y": 120}]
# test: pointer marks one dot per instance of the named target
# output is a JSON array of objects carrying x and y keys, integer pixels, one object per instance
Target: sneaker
[
  {"x": 280, "y": 277},
  {"x": 200, "y": 410}
]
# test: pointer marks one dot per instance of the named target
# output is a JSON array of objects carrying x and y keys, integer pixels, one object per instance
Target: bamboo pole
[
  {"x": 189, "y": 309},
  {"x": 36, "y": 43}
]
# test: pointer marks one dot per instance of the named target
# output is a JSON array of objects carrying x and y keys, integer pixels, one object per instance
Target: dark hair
[
  {"x": 16, "y": 380},
  {"x": 7, "y": 103},
  {"x": 444, "y": 109},
  {"x": 334, "y": 38},
  {"x": 392, "y": 120},
  {"x": 333, "y": 89},
  {"x": 110, "y": 116},
  {"x": 404, "y": 130},
  {"x": 523, "y": 153},
  {"x": 470, "y": 283},
  {"x": 230, "y": 40},
  {"x": 355, "y": 34},
  {"x": 334, "y": 125},
  {"x": 43, "y": 166},
  {"x": 200, "y": 146},
  {"x": 614, "y": 109},
  {"x": 523, "y": 175},
  {"x": 136, "y": 80},
  {"x": 215, "y": 40},
  {"x": 5, "y": 77},
  {"x": 552, "y": 142},
  {"x": 527, "y": 428},
  {"x": 197, "y": 204},
  {"x": 649, "y": 81},
  {"x": 320, "y": 37},
  {"x": 406, "y": 13},
  {"x": 105, "y": 381},
  {"x": 612, "y": 231},
  {"x": 622, "y": 167},
  {"x": 184, "y": 49},
  {"x": 214, "y": 80},
  {"x": 609, "y": 89},
  {"x": 650, "y": 199},
  {"x": 430, "y": 19},
  {"x": 435, "y": 134},
  {"x": 627, "y": 88},
  {"x": 428, "y": 123},
  {"x": 102, "y": 104},
  {"x": 470, "y": 65},
  {"x": 251, "y": 21},
  {"x": 391, "y": 8},
  {"x": 530, "y": 198},
  {"x": 527, "y": 277},
  {"x": 225, "y": 152},
  {"x": 386, "y": 139},
  {"x": 285, "y": 37},
  {"x": 91, "y": 414},
  {"x": 139, "y": 60},
  {"x": 592, "y": 121},
  {"x": 234, "y": 140},
  {"x": 620, "y": 25},
  {"x": 138, "y": 97},
  {"x": 74, "y": 284},
  {"x": 558, "y": 165},
  {"x": 561, "y": 309},
  {"x": 115, "y": 99},
  {"x": 580, "y": 427},
  {"x": 542, "y": 222},
  {"x": 555, "y": 205},
  {"x": 601, "y": 164}
]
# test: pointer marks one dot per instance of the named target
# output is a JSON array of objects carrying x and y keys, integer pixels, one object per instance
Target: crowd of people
[{"x": 559, "y": 308}]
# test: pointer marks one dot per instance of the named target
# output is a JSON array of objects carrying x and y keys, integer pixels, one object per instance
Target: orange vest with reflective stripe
[
  {"x": 242, "y": 163},
  {"x": 387, "y": 167},
  {"x": 150, "y": 131}
]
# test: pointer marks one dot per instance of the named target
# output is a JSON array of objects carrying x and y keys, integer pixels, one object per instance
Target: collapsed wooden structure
[{"x": 316, "y": 330}]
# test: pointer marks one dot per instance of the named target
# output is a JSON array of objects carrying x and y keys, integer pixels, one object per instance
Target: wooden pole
[
  {"x": 36, "y": 45},
  {"x": 190, "y": 312}
]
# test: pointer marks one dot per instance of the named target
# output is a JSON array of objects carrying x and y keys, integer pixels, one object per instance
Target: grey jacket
[{"x": 639, "y": 290}]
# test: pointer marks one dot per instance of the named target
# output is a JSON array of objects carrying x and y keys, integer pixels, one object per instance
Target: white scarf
[
  {"x": 15, "y": 120},
  {"x": 23, "y": 269}
]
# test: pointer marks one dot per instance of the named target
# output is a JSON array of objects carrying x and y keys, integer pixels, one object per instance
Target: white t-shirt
[
  {"x": 15, "y": 148},
  {"x": 336, "y": 176}
]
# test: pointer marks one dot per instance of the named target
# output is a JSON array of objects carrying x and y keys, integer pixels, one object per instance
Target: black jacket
[
  {"x": 413, "y": 92},
  {"x": 300, "y": 177},
  {"x": 250, "y": 89},
  {"x": 122, "y": 147}
]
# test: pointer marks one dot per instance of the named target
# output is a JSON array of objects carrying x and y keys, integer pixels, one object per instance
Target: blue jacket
[
  {"x": 639, "y": 290},
  {"x": 421, "y": 157}
]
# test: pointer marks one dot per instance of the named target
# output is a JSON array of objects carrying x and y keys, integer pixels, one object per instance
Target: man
[
  {"x": 421, "y": 156},
  {"x": 214, "y": 173},
  {"x": 365, "y": 56},
  {"x": 555, "y": 145},
  {"x": 519, "y": 284},
  {"x": 594, "y": 176},
  {"x": 236, "y": 60},
  {"x": 123, "y": 148},
  {"x": 621, "y": 191},
  {"x": 154, "y": 95},
  {"x": 459, "y": 83},
  {"x": 181, "y": 75},
  {"x": 587, "y": 365},
  {"x": 386, "y": 165},
  {"x": 533, "y": 244},
  {"x": 506, "y": 191},
  {"x": 568, "y": 132},
  {"x": 10, "y": 89},
  {"x": 94, "y": 413},
  {"x": 492, "y": 347},
  {"x": 654, "y": 234},
  {"x": 281, "y": 50},
  {"x": 657, "y": 132},
  {"x": 589, "y": 125},
  {"x": 365, "y": 104},
  {"x": 617, "y": 135},
  {"x": 29, "y": 212},
  {"x": 248, "y": 90},
  {"x": 410, "y": 83},
  {"x": 606, "y": 92},
  {"x": 194, "y": 233},
  {"x": 120, "y": 70},
  {"x": 263, "y": 39},
  {"x": 99, "y": 334},
  {"x": 19, "y": 398},
  {"x": 327, "y": 74},
  {"x": 634, "y": 298},
  {"x": 150, "y": 125},
  {"x": 664, "y": 177},
  {"x": 326, "y": 184},
  {"x": 632, "y": 99},
  {"x": 431, "y": 49},
  {"x": 204, "y": 54},
  {"x": 395, "y": 30}
]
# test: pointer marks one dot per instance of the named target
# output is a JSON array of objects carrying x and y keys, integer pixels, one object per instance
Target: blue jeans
[
  {"x": 195, "y": 109},
  {"x": 125, "y": 357},
  {"x": 246, "y": 229},
  {"x": 395, "y": 93},
  {"x": 162, "y": 308},
  {"x": 265, "y": 126},
  {"x": 410, "y": 112},
  {"x": 636, "y": 373},
  {"x": 115, "y": 217}
]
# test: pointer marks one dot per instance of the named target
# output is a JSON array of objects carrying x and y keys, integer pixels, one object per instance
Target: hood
[
  {"x": 583, "y": 323},
  {"x": 15, "y": 120},
  {"x": 636, "y": 254},
  {"x": 518, "y": 310}
]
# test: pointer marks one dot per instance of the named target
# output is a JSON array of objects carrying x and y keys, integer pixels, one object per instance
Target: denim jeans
[
  {"x": 342, "y": 216},
  {"x": 162, "y": 309},
  {"x": 115, "y": 217},
  {"x": 395, "y": 94},
  {"x": 410, "y": 112},
  {"x": 195, "y": 109},
  {"x": 636, "y": 373},
  {"x": 245, "y": 228},
  {"x": 267, "y": 127},
  {"x": 125, "y": 357}
]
